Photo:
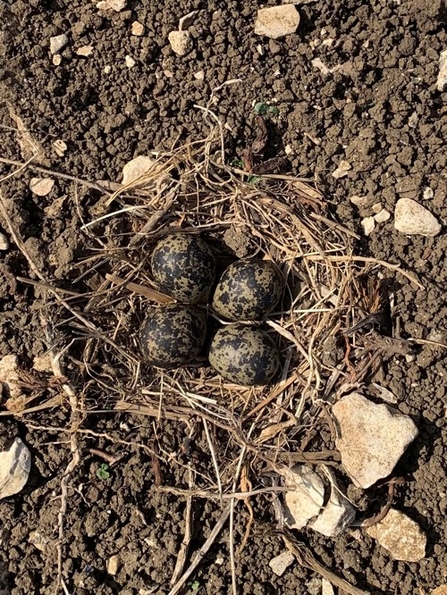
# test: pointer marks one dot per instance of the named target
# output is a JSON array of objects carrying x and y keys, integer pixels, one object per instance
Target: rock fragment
[
  {"x": 85, "y": 50},
  {"x": 277, "y": 21},
  {"x": 305, "y": 500},
  {"x": 130, "y": 62},
  {"x": 342, "y": 169},
  {"x": 412, "y": 218},
  {"x": 116, "y": 5},
  {"x": 372, "y": 438},
  {"x": 57, "y": 43},
  {"x": 15, "y": 465},
  {"x": 181, "y": 42},
  {"x": 4, "y": 242},
  {"x": 442, "y": 75},
  {"x": 136, "y": 168},
  {"x": 137, "y": 29},
  {"x": 113, "y": 565},
  {"x": 382, "y": 216},
  {"x": 280, "y": 563},
  {"x": 401, "y": 536},
  {"x": 41, "y": 186},
  {"x": 337, "y": 514},
  {"x": 368, "y": 224}
]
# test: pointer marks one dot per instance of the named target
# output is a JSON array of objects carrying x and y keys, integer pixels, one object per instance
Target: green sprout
[
  {"x": 195, "y": 586},
  {"x": 103, "y": 472},
  {"x": 254, "y": 180},
  {"x": 262, "y": 109},
  {"x": 236, "y": 162}
]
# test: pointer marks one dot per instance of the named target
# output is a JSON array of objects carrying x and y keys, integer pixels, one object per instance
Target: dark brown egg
[
  {"x": 244, "y": 355},
  {"x": 248, "y": 290},
  {"x": 173, "y": 335},
  {"x": 184, "y": 267}
]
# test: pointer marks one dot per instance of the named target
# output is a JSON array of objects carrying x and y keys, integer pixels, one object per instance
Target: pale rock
[
  {"x": 321, "y": 66},
  {"x": 401, "y": 536},
  {"x": 305, "y": 500},
  {"x": 113, "y": 565},
  {"x": 60, "y": 147},
  {"x": 368, "y": 224},
  {"x": 288, "y": 150},
  {"x": 382, "y": 216},
  {"x": 326, "y": 587},
  {"x": 9, "y": 376},
  {"x": 58, "y": 42},
  {"x": 137, "y": 29},
  {"x": 40, "y": 541},
  {"x": 41, "y": 186},
  {"x": 4, "y": 242},
  {"x": 168, "y": 74},
  {"x": 412, "y": 218},
  {"x": 15, "y": 465},
  {"x": 136, "y": 168},
  {"x": 85, "y": 50},
  {"x": 342, "y": 169},
  {"x": 280, "y": 563},
  {"x": 385, "y": 394},
  {"x": 57, "y": 60},
  {"x": 43, "y": 363},
  {"x": 337, "y": 514},
  {"x": 358, "y": 201},
  {"x": 116, "y": 5},
  {"x": 376, "y": 207},
  {"x": 313, "y": 587},
  {"x": 427, "y": 193},
  {"x": 277, "y": 21},
  {"x": 130, "y": 62},
  {"x": 180, "y": 41},
  {"x": 371, "y": 438},
  {"x": 107, "y": 69},
  {"x": 442, "y": 75},
  {"x": 413, "y": 120},
  {"x": 200, "y": 75}
]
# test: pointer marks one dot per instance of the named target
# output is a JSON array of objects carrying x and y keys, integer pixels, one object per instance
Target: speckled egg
[
  {"x": 173, "y": 335},
  {"x": 184, "y": 267},
  {"x": 244, "y": 355},
  {"x": 248, "y": 290}
]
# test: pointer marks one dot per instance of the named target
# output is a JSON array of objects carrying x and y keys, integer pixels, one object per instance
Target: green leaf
[
  {"x": 261, "y": 108},
  {"x": 195, "y": 586},
  {"x": 103, "y": 472}
]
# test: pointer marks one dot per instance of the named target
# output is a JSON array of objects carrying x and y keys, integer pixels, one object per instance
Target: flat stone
[
  {"x": 113, "y": 565},
  {"x": 305, "y": 500},
  {"x": 58, "y": 42},
  {"x": 41, "y": 186},
  {"x": 382, "y": 216},
  {"x": 337, "y": 514},
  {"x": 412, "y": 218},
  {"x": 85, "y": 50},
  {"x": 368, "y": 224},
  {"x": 136, "y": 168},
  {"x": 4, "y": 242},
  {"x": 342, "y": 169},
  {"x": 15, "y": 465},
  {"x": 326, "y": 587},
  {"x": 180, "y": 41},
  {"x": 372, "y": 438},
  {"x": 280, "y": 563},
  {"x": 116, "y": 5},
  {"x": 442, "y": 75},
  {"x": 277, "y": 21},
  {"x": 401, "y": 536}
]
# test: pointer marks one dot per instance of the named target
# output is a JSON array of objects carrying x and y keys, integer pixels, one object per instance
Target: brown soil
[{"x": 380, "y": 111}]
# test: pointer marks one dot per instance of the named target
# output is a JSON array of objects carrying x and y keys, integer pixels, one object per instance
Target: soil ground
[{"x": 378, "y": 108}]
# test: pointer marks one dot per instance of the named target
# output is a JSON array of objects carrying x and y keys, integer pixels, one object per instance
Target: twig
[
  {"x": 305, "y": 557},
  {"x": 201, "y": 553},
  {"x": 213, "y": 496},
  {"x": 184, "y": 548}
]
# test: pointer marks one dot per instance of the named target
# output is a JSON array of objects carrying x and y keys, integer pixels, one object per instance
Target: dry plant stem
[
  {"x": 213, "y": 454},
  {"x": 201, "y": 553},
  {"x": 44, "y": 170},
  {"x": 305, "y": 557},
  {"x": 151, "y": 294},
  {"x": 184, "y": 548},
  {"x": 213, "y": 496}
]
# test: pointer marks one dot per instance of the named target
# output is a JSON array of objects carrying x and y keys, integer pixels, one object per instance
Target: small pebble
[
  {"x": 427, "y": 193},
  {"x": 412, "y": 218},
  {"x": 358, "y": 201},
  {"x": 4, "y": 242},
  {"x": 442, "y": 76},
  {"x": 342, "y": 169},
  {"x": 180, "y": 41},
  {"x": 277, "y": 21},
  {"x": 280, "y": 563},
  {"x": 57, "y": 60},
  {"x": 137, "y": 29},
  {"x": 130, "y": 62},
  {"x": 368, "y": 224},
  {"x": 57, "y": 43},
  {"x": 41, "y": 186},
  {"x": 85, "y": 50},
  {"x": 382, "y": 216}
]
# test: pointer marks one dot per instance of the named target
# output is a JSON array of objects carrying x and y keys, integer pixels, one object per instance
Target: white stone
[
  {"x": 358, "y": 201},
  {"x": 321, "y": 66},
  {"x": 371, "y": 438},
  {"x": 4, "y": 242},
  {"x": 9, "y": 375},
  {"x": 57, "y": 60},
  {"x": 326, "y": 587},
  {"x": 181, "y": 42},
  {"x": 342, "y": 169},
  {"x": 442, "y": 75},
  {"x": 401, "y": 536},
  {"x": 412, "y": 218},
  {"x": 116, "y": 5},
  {"x": 305, "y": 500},
  {"x": 382, "y": 216},
  {"x": 280, "y": 563},
  {"x": 130, "y": 62},
  {"x": 113, "y": 565},
  {"x": 427, "y": 193},
  {"x": 136, "y": 168},
  {"x": 337, "y": 514},
  {"x": 15, "y": 465},
  {"x": 200, "y": 75},
  {"x": 368, "y": 224},
  {"x": 85, "y": 50},
  {"x": 277, "y": 21},
  {"x": 137, "y": 29},
  {"x": 57, "y": 43},
  {"x": 41, "y": 186}
]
